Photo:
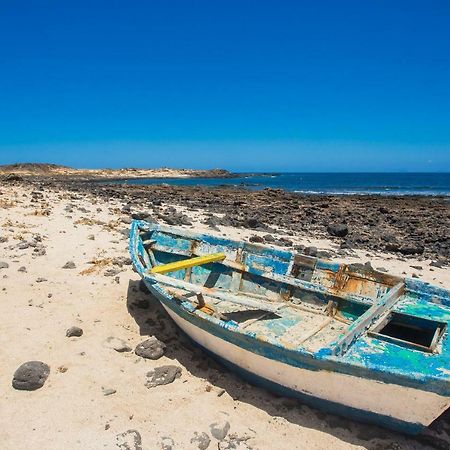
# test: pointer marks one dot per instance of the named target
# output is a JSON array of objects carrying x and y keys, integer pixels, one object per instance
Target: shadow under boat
[{"x": 153, "y": 320}]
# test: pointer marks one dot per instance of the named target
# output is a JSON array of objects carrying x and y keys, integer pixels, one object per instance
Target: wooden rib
[
  {"x": 188, "y": 274},
  {"x": 236, "y": 276}
]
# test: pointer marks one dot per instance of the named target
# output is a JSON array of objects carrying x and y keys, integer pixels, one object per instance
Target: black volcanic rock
[
  {"x": 256, "y": 239},
  {"x": 162, "y": 375},
  {"x": 337, "y": 229},
  {"x": 30, "y": 376},
  {"x": 141, "y": 215},
  {"x": 152, "y": 348},
  {"x": 411, "y": 249}
]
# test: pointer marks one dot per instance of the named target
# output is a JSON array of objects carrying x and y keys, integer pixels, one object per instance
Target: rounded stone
[
  {"x": 74, "y": 331},
  {"x": 30, "y": 376}
]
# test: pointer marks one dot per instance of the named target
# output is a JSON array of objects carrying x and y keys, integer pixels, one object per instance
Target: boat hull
[
  {"x": 345, "y": 371},
  {"x": 366, "y": 400}
]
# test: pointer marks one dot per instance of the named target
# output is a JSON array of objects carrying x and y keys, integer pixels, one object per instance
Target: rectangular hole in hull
[{"x": 416, "y": 332}]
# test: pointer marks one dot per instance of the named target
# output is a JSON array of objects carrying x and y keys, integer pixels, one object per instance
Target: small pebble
[
  {"x": 109, "y": 391},
  {"x": 119, "y": 345},
  {"x": 219, "y": 429},
  {"x": 74, "y": 332}
]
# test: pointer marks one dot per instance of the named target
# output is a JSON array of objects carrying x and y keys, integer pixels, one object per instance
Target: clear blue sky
[{"x": 244, "y": 85}]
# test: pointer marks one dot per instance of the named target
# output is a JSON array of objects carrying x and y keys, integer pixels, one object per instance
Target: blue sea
[{"x": 326, "y": 183}]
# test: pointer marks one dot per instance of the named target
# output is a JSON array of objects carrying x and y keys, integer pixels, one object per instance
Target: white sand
[{"x": 70, "y": 411}]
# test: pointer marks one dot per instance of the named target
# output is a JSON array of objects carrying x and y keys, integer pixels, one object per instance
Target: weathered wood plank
[{"x": 288, "y": 280}]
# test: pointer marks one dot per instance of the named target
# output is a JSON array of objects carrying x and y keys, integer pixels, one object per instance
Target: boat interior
[{"x": 290, "y": 299}]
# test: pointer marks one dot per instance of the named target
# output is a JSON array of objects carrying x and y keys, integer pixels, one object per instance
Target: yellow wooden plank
[{"x": 186, "y": 263}]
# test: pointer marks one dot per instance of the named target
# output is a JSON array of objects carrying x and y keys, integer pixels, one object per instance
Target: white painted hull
[{"x": 407, "y": 405}]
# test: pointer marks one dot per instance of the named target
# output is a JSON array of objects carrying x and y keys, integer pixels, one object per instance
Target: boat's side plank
[
  {"x": 282, "y": 279},
  {"x": 335, "y": 277},
  {"x": 355, "y": 273},
  {"x": 343, "y": 279}
]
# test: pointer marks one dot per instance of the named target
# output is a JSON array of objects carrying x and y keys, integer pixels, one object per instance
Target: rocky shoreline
[{"x": 405, "y": 226}]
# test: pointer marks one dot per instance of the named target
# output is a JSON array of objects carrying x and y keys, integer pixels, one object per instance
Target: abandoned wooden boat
[{"x": 342, "y": 338}]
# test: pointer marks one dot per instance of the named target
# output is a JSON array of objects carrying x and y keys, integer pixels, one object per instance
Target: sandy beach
[{"x": 64, "y": 262}]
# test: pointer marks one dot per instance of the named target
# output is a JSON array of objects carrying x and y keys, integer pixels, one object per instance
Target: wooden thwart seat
[{"x": 187, "y": 263}]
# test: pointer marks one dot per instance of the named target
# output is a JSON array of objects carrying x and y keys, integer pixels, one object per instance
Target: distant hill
[
  {"x": 59, "y": 171},
  {"x": 32, "y": 167}
]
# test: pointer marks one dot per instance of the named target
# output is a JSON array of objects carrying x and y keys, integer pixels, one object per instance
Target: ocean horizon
[{"x": 406, "y": 183}]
